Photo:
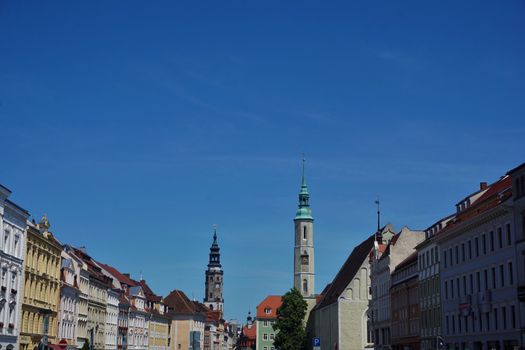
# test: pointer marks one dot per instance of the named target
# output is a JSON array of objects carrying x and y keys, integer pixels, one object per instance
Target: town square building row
[
  {"x": 56, "y": 296},
  {"x": 458, "y": 284}
]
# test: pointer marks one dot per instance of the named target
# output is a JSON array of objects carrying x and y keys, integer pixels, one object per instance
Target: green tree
[
  {"x": 86, "y": 345},
  {"x": 290, "y": 322}
]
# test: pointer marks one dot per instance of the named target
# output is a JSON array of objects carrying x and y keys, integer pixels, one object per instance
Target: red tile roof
[
  {"x": 347, "y": 272},
  {"x": 495, "y": 194},
  {"x": 150, "y": 296},
  {"x": 179, "y": 303},
  {"x": 271, "y": 302},
  {"x": 118, "y": 275},
  {"x": 250, "y": 332}
]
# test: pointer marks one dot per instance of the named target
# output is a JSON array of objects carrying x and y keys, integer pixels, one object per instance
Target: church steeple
[
  {"x": 213, "y": 297},
  {"x": 304, "y": 211},
  {"x": 215, "y": 255},
  {"x": 304, "y": 275}
]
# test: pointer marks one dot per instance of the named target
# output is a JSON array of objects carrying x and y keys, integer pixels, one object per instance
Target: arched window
[
  {"x": 304, "y": 232},
  {"x": 305, "y": 286}
]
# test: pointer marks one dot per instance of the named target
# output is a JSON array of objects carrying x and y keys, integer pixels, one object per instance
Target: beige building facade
[{"x": 41, "y": 287}]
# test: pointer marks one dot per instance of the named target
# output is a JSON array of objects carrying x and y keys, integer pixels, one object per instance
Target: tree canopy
[{"x": 290, "y": 322}]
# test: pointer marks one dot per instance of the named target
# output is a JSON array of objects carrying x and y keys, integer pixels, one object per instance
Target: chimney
[
  {"x": 482, "y": 186},
  {"x": 127, "y": 275}
]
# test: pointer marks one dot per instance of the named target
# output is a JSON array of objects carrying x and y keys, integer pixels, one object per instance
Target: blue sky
[{"x": 136, "y": 126}]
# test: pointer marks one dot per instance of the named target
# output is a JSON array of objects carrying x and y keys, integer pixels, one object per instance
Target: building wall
[
  {"x": 158, "y": 333},
  {"x": 478, "y": 284},
  {"x": 12, "y": 251},
  {"x": 41, "y": 289},
  {"x": 265, "y": 334},
  {"x": 405, "y": 320},
  {"x": 112, "y": 311},
  {"x": 304, "y": 264},
  {"x": 344, "y": 323}
]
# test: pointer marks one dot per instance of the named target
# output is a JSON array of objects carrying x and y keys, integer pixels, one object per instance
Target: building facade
[
  {"x": 478, "y": 275},
  {"x": 304, "y": 272},
  {"x": 13, "y": 223},
  {"x": 188, "y": 320},
  {"x": 112, "y": 312},
  {"x": 159, "y": 322},
  {"x": 517, "y": 176},
  {"x": 41, "y": 287},
  {"x": 341, "y": 316},
  {"x": 399, "y": 248},
  {"x": 265, "y": 318},
  {"x": 405, "y": 326},
  {"x": 69, "y": 300},
  {"x": 213, "y": 284},
  {"x": 429, "y": 286}
]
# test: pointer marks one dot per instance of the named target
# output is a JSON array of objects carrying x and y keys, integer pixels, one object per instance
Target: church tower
[
  {"x": 214, "y": 278},
  {"x": 304, "y": 276}
]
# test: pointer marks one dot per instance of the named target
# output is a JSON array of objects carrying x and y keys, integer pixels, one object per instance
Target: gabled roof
[
  {"x": 271, "y": 302},
  {"x": 179, "y": 303},
  {"x": 347, "y": 272},
  {"x": 123, "y": 279},
  {"x": 250, "y": 332},
  {"x": 150, "y": 296}
]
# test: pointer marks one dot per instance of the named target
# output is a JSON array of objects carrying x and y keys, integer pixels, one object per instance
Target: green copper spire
[{"x": 304, "y": 212}]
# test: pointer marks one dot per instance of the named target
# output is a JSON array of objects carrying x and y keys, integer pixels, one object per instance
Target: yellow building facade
[{"x": 41, "y": 287}]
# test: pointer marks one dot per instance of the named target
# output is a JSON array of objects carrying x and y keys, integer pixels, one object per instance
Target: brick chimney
[{"x": 482, "y": 186}]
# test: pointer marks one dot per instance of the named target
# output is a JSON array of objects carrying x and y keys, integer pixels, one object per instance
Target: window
[
  {"x": 446, "y": 290},
  {"x": 452, "y": 289},
  {"x": 457, "y": 287},
  {"x": 487, "y": 318},
  {"x": 471, "y": 284},
  {"x": 457, "y": 255},
  {"x": 476, "y": 244},
  {"x": 450, "y": 256},
  {"x": 464, "y": 285},
  {"x": 484, "y": 243},
  {"x": 509, "y": 238},
  {"x": 502, "y": 275},
  {"x": 500, "y": 238},
  {"x": 272, "y": 336},
  {"x": 513, "y": 316},
  {"x": 265, "y": 336},
  {"x": 470, "y": 249},
  {"x": 478, "y": 278},
  {"x": 504, "y": 316},
  {"x": 496, "y": 319},
  {"x": 267, "y": 311},
  {"x": 445, "y": 258},
  {"x": 447, "y": 324},
  {"x": 265, "y": 323},
  {"x": 491, "y": 241},
  {"x": 304, "y": 232},
  {"x": 493, "y": 278},
  {"x": 463, "y": 252},
  {"x": 486, "y": 275},
  {"x": 305, "y": 286},
  {"x": 511, "y": 275}
]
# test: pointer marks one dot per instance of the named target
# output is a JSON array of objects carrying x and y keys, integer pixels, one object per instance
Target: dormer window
[{"x": 267, "y": 311}]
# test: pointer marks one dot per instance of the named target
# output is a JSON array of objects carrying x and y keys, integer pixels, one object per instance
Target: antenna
[{"x": 378, "y": 215}]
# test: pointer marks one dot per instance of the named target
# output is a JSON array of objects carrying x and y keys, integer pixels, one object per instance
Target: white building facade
[
  {"x": 69, "y": 300},
  {"x": 112, "y": 312},
  {"x": 13, "y": 223},
  {"x": 138, "y": 320},
  {"x": 478, "y": 275}
]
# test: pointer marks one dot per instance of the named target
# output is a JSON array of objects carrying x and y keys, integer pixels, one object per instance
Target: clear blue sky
[{"x": 138, "y": 125}]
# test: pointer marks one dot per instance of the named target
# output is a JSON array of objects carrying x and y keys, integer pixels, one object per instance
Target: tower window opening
[
  {"x": 305, "y": 286},
  {"x": 304, "y": 232}
]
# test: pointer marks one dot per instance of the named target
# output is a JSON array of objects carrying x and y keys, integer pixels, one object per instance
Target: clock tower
[
  {"x": 304, "y": 276},
  {"x": 213, "y": 297}
]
